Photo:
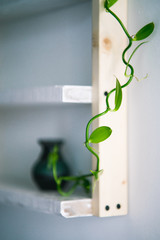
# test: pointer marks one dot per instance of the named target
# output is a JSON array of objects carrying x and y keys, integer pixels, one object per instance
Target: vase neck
[{"x": 48, "y": 146}]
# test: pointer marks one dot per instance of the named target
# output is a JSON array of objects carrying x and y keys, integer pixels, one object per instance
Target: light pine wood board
[{"x": 108, "y": 44}]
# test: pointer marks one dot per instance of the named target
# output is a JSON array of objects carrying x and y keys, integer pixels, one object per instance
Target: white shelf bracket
[{"x": 76, "y": 208}]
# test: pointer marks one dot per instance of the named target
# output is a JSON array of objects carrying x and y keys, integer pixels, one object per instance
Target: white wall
[
  {"x": 47, "y": 49},
  {"x": 142, "y": 221},
  {"x": 53, "y": 48}
]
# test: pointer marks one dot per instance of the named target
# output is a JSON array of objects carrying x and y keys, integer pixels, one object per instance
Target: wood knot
[
  {"x": 124, "y": 182},
  {"x": 107, "y": 44}
]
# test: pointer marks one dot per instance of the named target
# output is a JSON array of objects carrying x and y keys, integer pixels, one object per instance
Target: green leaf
[
  {"x": 144, "y": 32},
  {"x": 109, "y": 3},
  {"x": 118, "y": 95},
  {"x": 100, "y": 134}
]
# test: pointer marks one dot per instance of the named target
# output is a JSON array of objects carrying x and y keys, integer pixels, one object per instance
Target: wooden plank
[
  {"x": 77, "y": 94},
  {"x": 76, "y": 208},
  {"x": 47, "y": 95},
  {"x": 46, "y": 202},
  {"x": 110, "y": 194}
]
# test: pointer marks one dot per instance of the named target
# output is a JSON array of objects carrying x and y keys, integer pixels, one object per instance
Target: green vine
[{"x": 102, "y": 133}]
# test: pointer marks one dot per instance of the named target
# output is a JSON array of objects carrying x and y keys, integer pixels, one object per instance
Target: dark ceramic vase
[{"x": 42, "y": 173}]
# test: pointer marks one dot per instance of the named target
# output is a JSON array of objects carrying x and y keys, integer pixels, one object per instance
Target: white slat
[
  {"x": 50, "y": 203},
  {"x": 43, "y": 95}
]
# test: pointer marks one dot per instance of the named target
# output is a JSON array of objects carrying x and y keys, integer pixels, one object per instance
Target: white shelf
[
  {"x": 17, "y": 8},
  {"x": 47, "y": 95},
  {"x": 51, "y": 203}
]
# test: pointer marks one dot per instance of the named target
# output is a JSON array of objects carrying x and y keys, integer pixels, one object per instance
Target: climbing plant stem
[
  {"x": 120, "y": 22},
  {"x": 113, "y": 90},
  {"x": 103, "y": 131}
]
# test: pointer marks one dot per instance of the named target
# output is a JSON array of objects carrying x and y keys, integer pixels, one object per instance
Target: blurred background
[{"x": 29, "y": 57}]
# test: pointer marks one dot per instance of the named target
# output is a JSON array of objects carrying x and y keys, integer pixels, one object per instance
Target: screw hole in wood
[
  {"x": 118, "y": 206},
  {"x": 107, "y": 208}
]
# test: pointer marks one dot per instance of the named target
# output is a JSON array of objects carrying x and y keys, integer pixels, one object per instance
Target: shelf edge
[
  {"x": 76, "y": 208},
  {"x": 50, "y": 203},
  {"x": 46, "y": 95}
]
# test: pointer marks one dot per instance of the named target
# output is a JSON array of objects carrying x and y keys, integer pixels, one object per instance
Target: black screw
[
  {"x": 107, "y": 208},
  {"x": 105, "y": 93},
  {"x": 118, "y": 206}
]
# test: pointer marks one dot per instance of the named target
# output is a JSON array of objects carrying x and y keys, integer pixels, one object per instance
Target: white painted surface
[
  {"x": 47, "y": 49},
  {"x": 11, "y": 9},
  {"x": 76, "y": 208},
  {"x": 77, "y": 94},
  {"x": 46, "y": 95},
  {"x": 51, "y": 203},
  {"x": 42, "y": 51}
]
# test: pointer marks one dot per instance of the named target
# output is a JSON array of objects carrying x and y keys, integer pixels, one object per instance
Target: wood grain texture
[
  {"x": 76, "y": 208},
  {"x": 110, "y": 194}
]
